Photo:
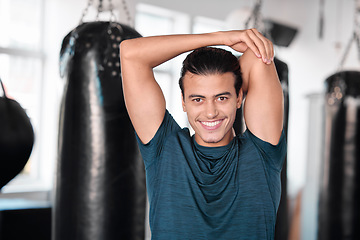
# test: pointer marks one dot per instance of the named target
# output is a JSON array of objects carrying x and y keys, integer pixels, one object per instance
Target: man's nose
[{"x": 211, "y": 110}]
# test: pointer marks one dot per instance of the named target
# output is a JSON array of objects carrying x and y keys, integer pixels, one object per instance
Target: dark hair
[{"x": 211, "y": 60}]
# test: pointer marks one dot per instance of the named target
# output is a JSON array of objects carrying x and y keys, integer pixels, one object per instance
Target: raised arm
[
  {"x": 264, "y": 104},
  {"x": 143, "y": 97}
]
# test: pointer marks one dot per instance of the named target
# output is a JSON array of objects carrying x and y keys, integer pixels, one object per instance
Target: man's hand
[{"x": 241, "y": 40}]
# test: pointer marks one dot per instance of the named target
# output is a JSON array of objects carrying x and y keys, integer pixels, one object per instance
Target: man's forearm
[{"x": 153, "y": 51}]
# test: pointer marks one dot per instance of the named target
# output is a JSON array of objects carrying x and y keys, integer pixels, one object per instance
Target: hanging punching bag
[
  {"x": 281, "y": 229},
  {"x": 16, "y": 138},
  {"x": 339, "y": 204},
  {"x": 282, "y": 221},
  {"x": 100, "y": 183}
]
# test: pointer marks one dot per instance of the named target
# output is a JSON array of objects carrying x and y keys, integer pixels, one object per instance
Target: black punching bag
[
  {"x": 282, "y": 221},
  {"x": 100, "y": 183},
  {"x": 281, "y": 229},
  {"x": 339, "y": 204},
  {"x": 16, "y": 138}
]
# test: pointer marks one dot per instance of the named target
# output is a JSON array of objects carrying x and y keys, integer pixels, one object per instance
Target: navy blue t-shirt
[{"x": 196, "y": 192}]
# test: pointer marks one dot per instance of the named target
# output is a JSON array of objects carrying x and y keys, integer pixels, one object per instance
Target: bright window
[
  {"x": 21, "y": 67},
  {"x": 21, "y": 24},
  {"x": 152, "y": 21}
]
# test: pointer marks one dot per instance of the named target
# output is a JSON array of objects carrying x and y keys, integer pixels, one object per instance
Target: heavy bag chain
[
  {"x": 322, "y": 20},
  {"x": 257, "y": 19},
  {"x": 100, "y": 10},
  {"x": 355, "y": 35},
  {"x": 255, "y": 15},
  {"x": 70, "y": 50},
  {"x": 3, "y": 88}
]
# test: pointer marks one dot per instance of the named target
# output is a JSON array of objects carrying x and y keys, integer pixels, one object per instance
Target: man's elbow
[
  {"x": 124, "y": 49},
  {"x": 127, "y": 50}
]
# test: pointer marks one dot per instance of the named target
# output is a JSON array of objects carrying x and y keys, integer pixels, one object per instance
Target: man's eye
[
  {"x": 222, "y": 98},
  {"x": 197, "y": 100}
]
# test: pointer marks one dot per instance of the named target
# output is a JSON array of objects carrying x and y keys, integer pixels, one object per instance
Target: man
[{"x": 212, "y": 185}]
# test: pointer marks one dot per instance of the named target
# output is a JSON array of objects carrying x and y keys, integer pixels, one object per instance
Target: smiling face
[{"x": 210, "y": 102}]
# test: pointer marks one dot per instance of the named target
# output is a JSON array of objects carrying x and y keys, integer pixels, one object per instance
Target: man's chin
[
  {"x": 216, "y": 140},
  {"x": 212, "y": 140}
]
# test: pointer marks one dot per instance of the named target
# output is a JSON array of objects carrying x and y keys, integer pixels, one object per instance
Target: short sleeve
[
  {"x": 151, "y": 151},
  {"x": 273, "y": 154}
]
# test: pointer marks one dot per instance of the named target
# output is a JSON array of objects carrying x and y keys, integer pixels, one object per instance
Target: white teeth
[{"x": 211, "y": 124}]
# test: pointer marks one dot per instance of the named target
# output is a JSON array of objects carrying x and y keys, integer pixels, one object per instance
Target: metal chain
[
  {"x": 100, "y": 9},
  {"x": 346, "y": 53},
  {"x": 128, "y": 15},
  {"x": 3, "y": 88},
  {"x": 112, "y": 14},
  {"x": 357, "y": 18},
  {"x": 357, "y": 26},
  {"x": 254, "y": 15},
  {"x": 338, "y": 27},
  {"x": 84, "y": 13},
  {"x": 257, "y": 14},
  {"x": 322, "y": 19},
  {"x": 355, "y": 36}
]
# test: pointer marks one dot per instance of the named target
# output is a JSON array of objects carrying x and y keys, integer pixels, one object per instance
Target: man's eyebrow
[
  {"x": 222, "y": 94},
  {"x": 217, "y": 95},
  {"x": 196, "y": 96}
]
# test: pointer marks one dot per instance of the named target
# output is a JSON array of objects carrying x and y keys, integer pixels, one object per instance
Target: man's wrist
[{"x": 219, "y": 37}]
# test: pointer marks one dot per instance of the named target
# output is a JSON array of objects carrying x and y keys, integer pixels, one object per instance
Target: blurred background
[{"x": 31, "y": 36}]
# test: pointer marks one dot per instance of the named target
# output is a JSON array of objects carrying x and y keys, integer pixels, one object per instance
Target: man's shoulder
[
  {"x": 247, "y": 135},
  {"x": 170, "y": 130},
  {"x": 273, "y": 154}
]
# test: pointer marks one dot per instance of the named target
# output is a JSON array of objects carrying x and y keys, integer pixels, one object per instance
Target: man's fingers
[
  {"x": 253, "y": 45},
  {"x": 240, "y": 47},
  {"x": 269, "y": 48},
  {"x": 251, "y": 38},
  {"x": 259, "y": 44}
]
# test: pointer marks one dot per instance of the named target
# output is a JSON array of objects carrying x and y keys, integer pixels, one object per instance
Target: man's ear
[
  {"x": 183, "y": 102},
  {"x": 239, "y": 99}
]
